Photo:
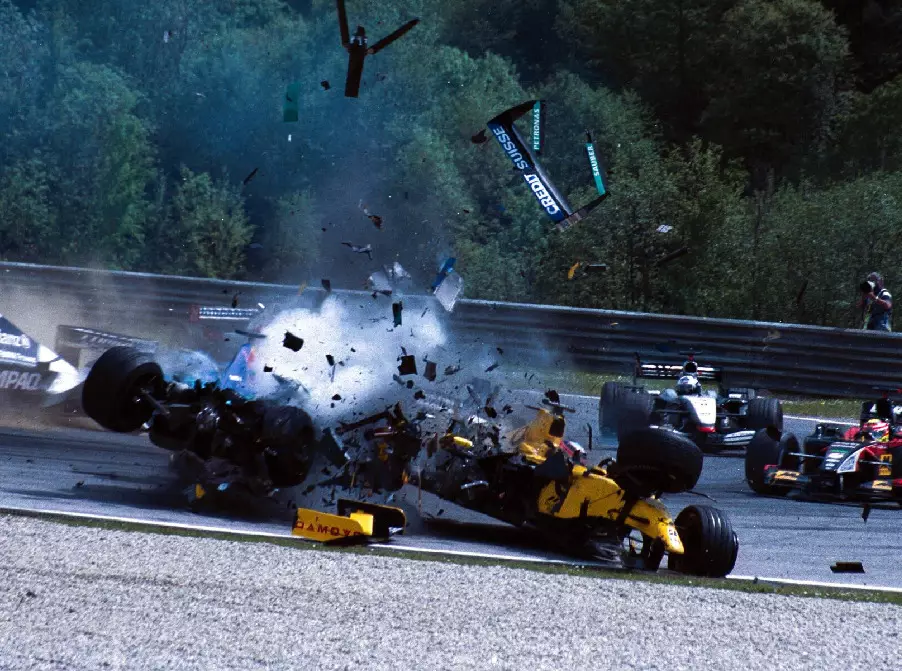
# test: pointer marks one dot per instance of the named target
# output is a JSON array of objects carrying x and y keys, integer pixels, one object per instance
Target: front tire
[
  {"x": 709, "y": 542},
  {"x": 765, "y": 450},
  {"x": 113, "y": 392}
]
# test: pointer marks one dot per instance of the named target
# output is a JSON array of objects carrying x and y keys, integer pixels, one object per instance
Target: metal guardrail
[{"x": 793, "y": 358}]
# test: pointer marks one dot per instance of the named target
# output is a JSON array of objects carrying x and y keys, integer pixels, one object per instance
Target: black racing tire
[
  {"x": 110, "y": 393},
  {"x": 710, "y": 545},
  {"x": 635, "y": 412},
  {"x": 656, "y": 460},
  {"x": 765, "y": 413},
  {"x": 609, "y": 406},
  {"x": 766, "y": 450}
]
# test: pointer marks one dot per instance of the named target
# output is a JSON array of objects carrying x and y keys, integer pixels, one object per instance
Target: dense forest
[{"x": 762, "y": 135}]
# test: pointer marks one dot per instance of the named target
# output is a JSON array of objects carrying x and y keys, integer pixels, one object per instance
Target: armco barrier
[{"x": 779, "y": 357}]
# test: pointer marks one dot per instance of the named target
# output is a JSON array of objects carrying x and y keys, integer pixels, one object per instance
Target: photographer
[{"x": 879, "y": 304}]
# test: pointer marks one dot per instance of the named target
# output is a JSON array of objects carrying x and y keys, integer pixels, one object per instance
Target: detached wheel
[
  {"x": 765, "y": 450},
  {"x": 657, "y": 460},
  {"x": 709, "y": 542},
  {"x": 112, "y": 394},
  {"x": 765, "y": 413},
  {"x": 609, "y": 406}
]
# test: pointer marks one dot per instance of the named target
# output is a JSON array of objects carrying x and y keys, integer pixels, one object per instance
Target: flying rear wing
[
  {"x": 672, "y": 371},
  {"x": 521, "y": 155}
]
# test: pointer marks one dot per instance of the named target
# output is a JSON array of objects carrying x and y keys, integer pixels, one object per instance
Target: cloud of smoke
[{"x": 365, "y": 347}]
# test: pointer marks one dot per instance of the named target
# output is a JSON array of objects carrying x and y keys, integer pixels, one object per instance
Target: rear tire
[
  {"x": 609, "y": 406},
  {"x": 765, "y": 413},
  {"x": 656, "y": 460},
  {"x": 111, "y": 394},
  {"x": 710, "y": 545},
  {"x": 765, "y": 450},
  {"x": 635, "y": 412}
]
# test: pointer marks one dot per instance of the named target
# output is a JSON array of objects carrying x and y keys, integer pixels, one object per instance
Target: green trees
[{"x": 761, "y": 135}]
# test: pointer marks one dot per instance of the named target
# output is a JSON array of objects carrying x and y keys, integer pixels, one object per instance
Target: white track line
[
  {"x": 843, "y": 422},
  {"x": 407, "y": 548}
]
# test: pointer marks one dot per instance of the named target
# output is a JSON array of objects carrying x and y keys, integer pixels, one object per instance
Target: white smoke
[{"x": 360, "y": 335}]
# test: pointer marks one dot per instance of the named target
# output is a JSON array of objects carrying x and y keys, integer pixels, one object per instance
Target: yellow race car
[{"x": 534, "y": 478}]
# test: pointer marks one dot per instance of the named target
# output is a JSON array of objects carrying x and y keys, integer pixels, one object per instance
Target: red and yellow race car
[{"x": 859, "y": 463}]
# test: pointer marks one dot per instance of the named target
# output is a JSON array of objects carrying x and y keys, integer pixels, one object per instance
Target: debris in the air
[
  {"x": 397, "y": 272},
  {"x": 664, "y": 228},
  {"x": 447, "y": 267},
  {"x": 430, "y": 371},
  {"x": 396, "y": 310},
  {"x": 408, "y": 365},
  {"x": 292, "y": 342},
  {"x": 381, "y": 76},
  {"x": 379, "y": 282},
  {"x": 587, "y": 269},
  {"x": 358, "y": 48},
  {"x": 252, "y": 174},
  {"x": 499, "y": 350},
  {"x": 327, "y": 285},
  {"x": 235, "y": 299},
  {"x": 357, "y": 249},
  {"x": 451, "y": 370},
  {"x": 479, "y": 138},
  {"x": 449, "y": 291},
  {"x": 375, "y": 218},
  {"x": 325, "y": 84},
  {"x": 290, "y": 106},
  {"x": 507, "y": 409},
  {"x": 490, "y": 412},
  {"x": 80, "y": 483},
  {"x": 267, "y": 369},
  {"x": 667, "y": 258},
  {"x": 492, "y": 367},
  {"x": 167, "y": 35},
  {"x": 419, "y": 395},
  {"x": 423, "y": 313},
  {"x": 336, "y": 397},
  {"x": 847, "y": 567},
  {"x": 553, "y": 396},
  {"x": 330, "y": 359}
]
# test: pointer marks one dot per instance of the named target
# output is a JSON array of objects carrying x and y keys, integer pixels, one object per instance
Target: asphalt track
[{"x": 92, "y": 472}]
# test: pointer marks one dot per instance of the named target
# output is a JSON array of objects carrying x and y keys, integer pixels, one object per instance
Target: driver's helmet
[
  {"x": 875, "y": 430},
  {"x": 688, "y": 384}
]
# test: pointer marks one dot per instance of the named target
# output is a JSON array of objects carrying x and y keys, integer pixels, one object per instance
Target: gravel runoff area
[{"x": 87, "y": 598}]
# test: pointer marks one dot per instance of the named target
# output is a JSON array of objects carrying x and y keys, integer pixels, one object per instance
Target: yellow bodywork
[
  {"x": 590, "y": 493},
  {"x": 318, "y": 526}
]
